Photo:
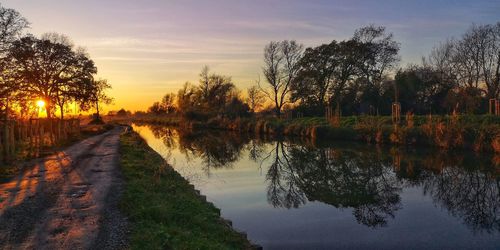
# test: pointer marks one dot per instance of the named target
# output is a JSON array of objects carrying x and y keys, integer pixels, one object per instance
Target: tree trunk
[
  {"x": 62, "y": 111},
  {"x": 97, "y": 109},
  {"x": 48, "y": 108}
]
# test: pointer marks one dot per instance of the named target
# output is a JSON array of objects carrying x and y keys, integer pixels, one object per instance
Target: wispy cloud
[{"x": 151, "y": 43}]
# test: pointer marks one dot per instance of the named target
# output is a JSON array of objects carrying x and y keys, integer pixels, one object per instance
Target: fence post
[
  {"x": 396, "y": 112},
  {"x": 12, "y": 136},
  {"x": 6, "y": 140}
]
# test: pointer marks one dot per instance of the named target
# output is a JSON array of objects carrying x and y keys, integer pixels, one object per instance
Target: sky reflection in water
[{"x": 298, "y": 194}]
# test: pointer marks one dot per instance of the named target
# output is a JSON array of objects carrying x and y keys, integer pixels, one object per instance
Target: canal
[{"x": 292, "y": 193}]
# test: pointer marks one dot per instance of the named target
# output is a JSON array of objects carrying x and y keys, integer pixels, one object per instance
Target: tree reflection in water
[
  {"x": 341, "y": 179},
  {"x": 284, "y": 184},
  {"x": 216, "y": 149},
  {"x": 355, "y": 176}
]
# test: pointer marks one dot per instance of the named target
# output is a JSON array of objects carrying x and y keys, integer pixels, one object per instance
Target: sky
[{"x": 148, "y": 48}]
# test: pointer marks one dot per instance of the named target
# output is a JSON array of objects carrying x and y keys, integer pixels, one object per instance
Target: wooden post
[
  {"x": 396, "y": 112},
  {"x": 12, "y": 128},
  {"x": 494, "y": 108},
  {"x": 497, "y": 107},
  {"x": 41, "y": 135}
]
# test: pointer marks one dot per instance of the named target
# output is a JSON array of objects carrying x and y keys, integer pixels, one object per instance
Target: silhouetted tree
[
  {"x": 325, "y": 73},
  {"x": 168, "y": 103},
  {"x": 156, "y": 109},
  {"x": 378, "y": 54},
  {"x": 51, "y": 70},
  {"x": 316, "y": 75},
  {"x": 255, "y": 98},
  {"x": 421, "y": 90},
  {"x": 12, "y": 25},
  {"x": 122, "y": 112},
  {"x": 95, "y": 95},
  {"x": 281, "y": 67},
  {"x": 236, "y": 108}
]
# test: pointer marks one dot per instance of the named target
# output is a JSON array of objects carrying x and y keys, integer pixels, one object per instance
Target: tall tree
[
  {"x": 12, "y": 25},
  {"x": 214, "y": 91},
  {"x": 489, "y": 58},
  {"x": 51, "y": 70},
  {"x": 95, "y": 94},
  {"x": 378, "y": 54},
  {"x": 281, "y": 67},
  {"x": 185, "y": 98},
  {"x": 325, "y": 72},
  {"x": 317, "y": 67}
]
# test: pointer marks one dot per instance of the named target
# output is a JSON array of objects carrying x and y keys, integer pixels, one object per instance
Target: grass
[
  {"x": 477, "y": 132},
  {"x": 164, "y": 210}
]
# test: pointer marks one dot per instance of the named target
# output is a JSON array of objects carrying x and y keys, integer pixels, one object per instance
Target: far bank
[{"x": 480, "y": 133}]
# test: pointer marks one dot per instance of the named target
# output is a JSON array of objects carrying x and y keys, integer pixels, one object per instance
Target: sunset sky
[{"x": 148, "y": 48}]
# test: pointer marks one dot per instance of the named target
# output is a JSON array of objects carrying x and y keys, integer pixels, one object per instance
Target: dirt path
[{"x": 66, "y": 201}]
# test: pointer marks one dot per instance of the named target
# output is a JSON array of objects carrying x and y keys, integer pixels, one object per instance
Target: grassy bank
[
  {"x": 475, "y": 132},
  {"x": 164, "y": 210}
]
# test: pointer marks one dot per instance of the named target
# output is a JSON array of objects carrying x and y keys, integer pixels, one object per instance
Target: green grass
[
  {"x": 478, "y": 132},
  {"x": 164, "y": 210}
]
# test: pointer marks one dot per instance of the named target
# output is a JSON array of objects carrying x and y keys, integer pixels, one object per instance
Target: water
[{"x": 295, "y": 194}]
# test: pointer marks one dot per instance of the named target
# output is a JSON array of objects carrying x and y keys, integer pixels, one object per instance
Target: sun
[{"x": 40, "y": 103}]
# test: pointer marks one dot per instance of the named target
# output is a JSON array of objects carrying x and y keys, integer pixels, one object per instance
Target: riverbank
[
  {"x": 164, "y": 210},
  {"x": 480, "y": 133}
]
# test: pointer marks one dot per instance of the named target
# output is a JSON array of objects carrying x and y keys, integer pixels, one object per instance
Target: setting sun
[
  {"x": 40, "y": 103},
  {"x": 326, "y": 124}
]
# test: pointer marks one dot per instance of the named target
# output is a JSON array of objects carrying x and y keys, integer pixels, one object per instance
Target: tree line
[
  {"x": 360, "y": 75},
  {"x": 214, "y": 96},
  {"x": 49, "y": 68}
]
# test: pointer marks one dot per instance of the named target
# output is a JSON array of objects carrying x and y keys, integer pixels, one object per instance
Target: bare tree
[
  {"x": 255, "y": 98},
  {"x": 472, "y": 63},
  {"x": 281, "y": 68},
  {"x": 12, "y": 25},
  {"x": 490, "y": 60},
  {"x": 467, "y": 57}
]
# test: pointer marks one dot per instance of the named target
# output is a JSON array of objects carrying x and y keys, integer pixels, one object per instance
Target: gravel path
[{"x": 68, "y": 200}]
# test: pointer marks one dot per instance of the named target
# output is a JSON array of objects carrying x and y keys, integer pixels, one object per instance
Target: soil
[{"x": 68, "y": 200}]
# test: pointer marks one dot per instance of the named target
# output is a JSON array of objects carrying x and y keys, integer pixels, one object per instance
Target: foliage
[
  {"x": 49, "y": 68},
  {"x": 214, "y": 96}
]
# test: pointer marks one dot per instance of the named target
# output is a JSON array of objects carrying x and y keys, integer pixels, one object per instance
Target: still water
[{"x": 296, "y": 194}]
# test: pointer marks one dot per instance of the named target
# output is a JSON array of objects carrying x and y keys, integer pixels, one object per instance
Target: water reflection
[
  {"x": 367, "y": 180},
  {"x": 216, "y": 150}
]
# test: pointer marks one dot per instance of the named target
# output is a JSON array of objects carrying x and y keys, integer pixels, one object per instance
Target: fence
[{"x": 33, "y": 135}]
